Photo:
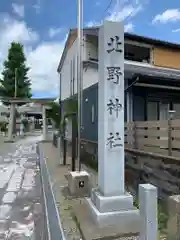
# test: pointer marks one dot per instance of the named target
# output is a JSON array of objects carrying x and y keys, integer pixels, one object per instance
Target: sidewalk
[
  {"x": 10, "y": 147},
  {"x": 65, "y": 203},
  {"x": 58, "y": 180},
  {"x": 20, "y": 190}
]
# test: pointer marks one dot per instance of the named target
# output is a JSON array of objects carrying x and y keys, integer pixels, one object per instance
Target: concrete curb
[{"x": 55, "y": 230}]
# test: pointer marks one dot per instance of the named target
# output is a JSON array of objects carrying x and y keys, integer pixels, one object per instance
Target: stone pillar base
[
  {"x": 174, "y": 216},
  {"x": 78, "y": 183},
  {"x": 115, "y": 210}
]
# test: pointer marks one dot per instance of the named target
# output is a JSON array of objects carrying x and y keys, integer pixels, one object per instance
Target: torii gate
[{"x": 13, "y": 101}]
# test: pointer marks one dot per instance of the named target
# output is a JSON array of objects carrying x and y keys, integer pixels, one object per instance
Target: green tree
[
  {"x": 71, "y": 106},
  {"x": 54, "y": 113},
  {"x": 15, "y": 70}
]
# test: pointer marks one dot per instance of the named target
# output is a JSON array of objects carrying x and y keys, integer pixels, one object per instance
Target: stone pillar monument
[{"x": 109, "y": 203}]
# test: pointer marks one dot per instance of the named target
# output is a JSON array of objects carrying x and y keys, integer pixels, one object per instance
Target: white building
[{"x": 152, "y": 77}]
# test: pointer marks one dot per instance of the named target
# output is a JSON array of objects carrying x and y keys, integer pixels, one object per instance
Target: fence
[{"x": 161, "y": 137}]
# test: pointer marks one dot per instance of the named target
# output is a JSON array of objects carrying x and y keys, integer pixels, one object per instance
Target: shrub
[
  {"x": 3, "y": 126},
  {"x": 25, "y": 123}
]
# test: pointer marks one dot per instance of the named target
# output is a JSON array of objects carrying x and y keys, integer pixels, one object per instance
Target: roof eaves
[
  {"x": 86, "y": 31},
  {"x": 135, "y": 37},
  {"x": 94, "y": 31},
  {"x": 64, "y": 51}
]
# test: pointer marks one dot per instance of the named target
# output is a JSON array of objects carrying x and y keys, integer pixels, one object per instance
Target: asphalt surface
[{"x": 21, "y": 210}]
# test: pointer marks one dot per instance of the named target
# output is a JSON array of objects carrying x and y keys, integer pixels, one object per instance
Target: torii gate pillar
[{"x": 44, "y": 130}]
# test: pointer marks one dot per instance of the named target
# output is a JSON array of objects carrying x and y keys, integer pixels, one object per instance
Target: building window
[
  {"x": 137, "y": 53},
  {"x": 93, "y": 114},
  {"x": 176, "y": 108},
  {"x": 152, "y": 111}
]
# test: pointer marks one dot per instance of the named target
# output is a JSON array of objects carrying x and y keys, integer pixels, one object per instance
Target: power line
[{"x": 108, "y": 6}]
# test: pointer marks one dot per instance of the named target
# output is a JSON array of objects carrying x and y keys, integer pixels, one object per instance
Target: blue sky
[{"x": 42, "y": 26}]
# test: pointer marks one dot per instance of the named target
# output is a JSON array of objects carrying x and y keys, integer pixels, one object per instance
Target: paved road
[{"x": 20, "y": 190}]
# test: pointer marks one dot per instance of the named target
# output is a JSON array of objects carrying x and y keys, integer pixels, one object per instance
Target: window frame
[{"x": 143, "y": 45}]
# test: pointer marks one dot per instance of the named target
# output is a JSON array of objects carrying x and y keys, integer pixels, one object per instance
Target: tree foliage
[
  {"x": 15, "y": 68},
  {"x": 54, "y": 113},
  {"x": 71, "y": 106}
]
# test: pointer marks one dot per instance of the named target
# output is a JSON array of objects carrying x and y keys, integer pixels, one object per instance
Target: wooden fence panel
[
  {"x": 175, "y": 133},
  {"x": 152, "y": 124},
  {"x": 175, "y": 123},
  {"x": 161, "y": 137},
  {"x": 176, "y": 144},
  {"x": 151, "y": 133},
  {"x": 129, "y": 137}
]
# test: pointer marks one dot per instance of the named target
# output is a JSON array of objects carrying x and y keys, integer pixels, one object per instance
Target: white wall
[
  {"x": 90, "y": 75},
  {"x": 65, "y": 72},
  {"x": 92, "y": 50}
]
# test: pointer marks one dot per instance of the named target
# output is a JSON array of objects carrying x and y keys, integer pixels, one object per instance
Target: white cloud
[
  {"x": 124, "y": 10},
  {"x": 44, "y": 70},
  {"x": 93, "y": 24},
  {"x": 12, "y": 29},
  {"x": 129, "y": 27},
  {"x": 176, "y": 30},
  {"x": 18, "y": 9},
  {"x": 128, "y": 11},
  {"x": 42, "y": 57},
  {"x": 54, "y": 31},
  {"x": 170, "y": 15}
]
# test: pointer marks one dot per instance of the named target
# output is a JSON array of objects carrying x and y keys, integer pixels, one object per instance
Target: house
[{"x": 152, "y": 78}]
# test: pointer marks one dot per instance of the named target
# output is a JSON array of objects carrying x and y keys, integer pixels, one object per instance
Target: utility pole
[
  {"x": 15, "y": 84},
  {"x": 80, "y": 76}
]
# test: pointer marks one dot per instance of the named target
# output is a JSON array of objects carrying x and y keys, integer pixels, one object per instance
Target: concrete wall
[{"x": 161, "y": 172}]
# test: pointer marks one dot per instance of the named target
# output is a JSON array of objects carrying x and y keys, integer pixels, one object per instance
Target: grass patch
[
  {"x": 90, "y": 161},
  {"x": 162, "y": 215}
]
